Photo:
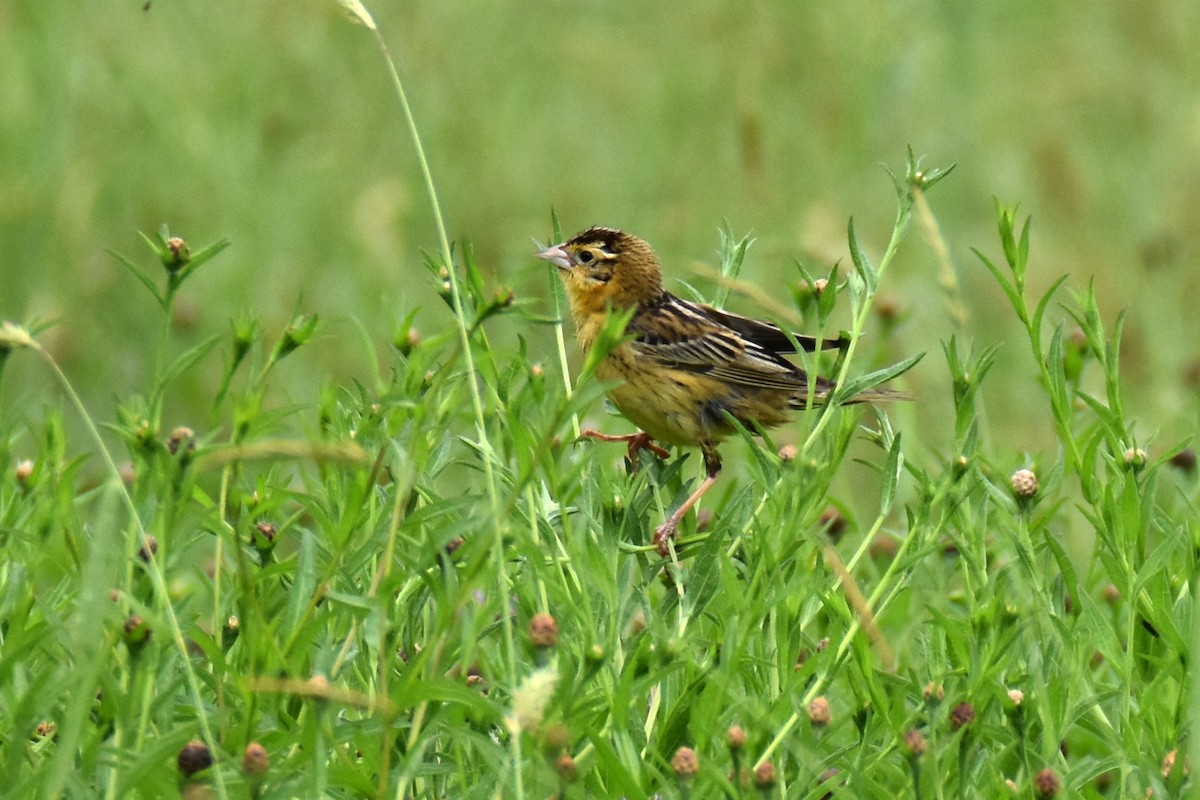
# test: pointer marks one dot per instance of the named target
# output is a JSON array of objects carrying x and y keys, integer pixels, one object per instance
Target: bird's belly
[
  {"x": 666, "y": 411},
  {"x": 668, "y": 404}
]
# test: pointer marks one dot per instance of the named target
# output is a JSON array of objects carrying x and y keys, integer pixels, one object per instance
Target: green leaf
[
  {"x": 1040, "y": 311},
  {"x": 1057, "y": 377},
  {"x": 862, "y": 264},
  {"x": 891, "y": 476},
  {"x": 183, "y": 361},
  {"x": 145, "y": 279},
  {"x": 872, "y": 379},
  {"x": 1014, "y": 296}
]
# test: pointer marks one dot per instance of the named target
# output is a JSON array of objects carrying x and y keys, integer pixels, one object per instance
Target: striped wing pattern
[{"x": 705, "y": 340}]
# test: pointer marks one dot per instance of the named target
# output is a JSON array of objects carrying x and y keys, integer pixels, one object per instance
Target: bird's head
[{"x": 606, "y": 268}]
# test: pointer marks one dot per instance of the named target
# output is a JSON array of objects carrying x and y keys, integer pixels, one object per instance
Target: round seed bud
[
  {"x": 1046, "y": 784},
  {"x": 181, "y": 438},
  {"x": 255, "y": 760},
  {"x": 887, "y": 309},
  {"x": 566, "y": 768},
  {"x": 1184, "y": 460},
  {"x": 137, "y": 632},
  {"x": 543, "y": 630},
  {"x": 1135, "y": 458},
  {"x": 735, "y": 737},
  {"x": 178, "y": 253},
  {"x": 24, "y": 470},
  {"x": 961, "y": 716},
  {"x": 915, "y": 742},
  {"x": 819, "y": 714},
  {"x": 264, "y": 536},
  {"x": 194, "y": 757},
  {"x": 1024, "y": 484},
  {"x": 933, "y": 693},
  {"x": 884, "y": 547},
  {"x": 834, "y": 522},
  {"x": 148, "y": 549},
  {"x": 685, "y": 763},
  {"x": 764, "y": 775}
]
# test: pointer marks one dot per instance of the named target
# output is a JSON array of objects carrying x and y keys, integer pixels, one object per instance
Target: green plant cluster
[{"x": 423, "y": 586}]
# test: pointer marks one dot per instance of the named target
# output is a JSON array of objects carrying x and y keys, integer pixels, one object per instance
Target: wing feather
[{"x": 705, "y": 340}]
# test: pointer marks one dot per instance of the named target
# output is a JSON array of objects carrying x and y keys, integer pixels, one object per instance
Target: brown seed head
[
  {"x": 1111, "y": 594},
  {"x": 834, "y": 522},
  {"x": 194, "y": 757},
  {"x": 44, "y": 729},
  {"x": 788, "y": 453},
  {"x": 182, "y": 437},
  {"x": 1184, "y": 460},
  {"x": 764, "y": 775},
  {"x": 961, "y": 716},
  {"x": 137, "y": 632},
  {"x": 255, "y": 760},
  {"x": 148, "y": 549},
  {"x": 1046, "y": 784},
  {"x": 933, "y": 693},
  {"x": 884, "y": 547},
  {"x": 24, "y": 470},
  {"x": 914, "y": 742},
  {"x": 819, "y": 714},
  {"x": 264, "y": 536},
  {"x": 543, "y": 630},
  {"x": 685, "y": 763},
  {"x": 887, "y": 309},
  {"x": 566, "y": 768},
  {"x": 735, "y": 737}
]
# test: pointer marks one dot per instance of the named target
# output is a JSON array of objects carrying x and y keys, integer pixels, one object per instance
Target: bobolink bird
[{"x": 688, "y": 365}]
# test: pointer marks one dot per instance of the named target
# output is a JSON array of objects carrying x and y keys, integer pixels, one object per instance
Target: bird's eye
[{"x": 585, "y": 257}]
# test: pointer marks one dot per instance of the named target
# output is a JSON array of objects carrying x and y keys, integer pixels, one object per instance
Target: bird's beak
[{"x": 557, "y": 256}]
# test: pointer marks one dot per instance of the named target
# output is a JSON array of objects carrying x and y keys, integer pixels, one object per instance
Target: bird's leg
[
  {"x": 712, "y": 467},
  {"x": 636, "y": 441}
]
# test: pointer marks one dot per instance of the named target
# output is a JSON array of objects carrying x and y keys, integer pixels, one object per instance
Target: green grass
[{"x": 354, "y": 571}]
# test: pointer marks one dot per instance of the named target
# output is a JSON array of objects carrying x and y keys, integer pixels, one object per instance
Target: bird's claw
[
  {"x": 642, "y": 441},
  {"x": 635, "y": 441}
]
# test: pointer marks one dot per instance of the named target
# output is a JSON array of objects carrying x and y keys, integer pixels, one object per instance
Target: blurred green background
[{"x": 274, "y": 124}]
